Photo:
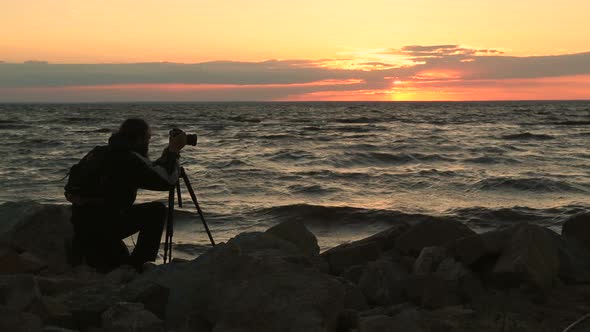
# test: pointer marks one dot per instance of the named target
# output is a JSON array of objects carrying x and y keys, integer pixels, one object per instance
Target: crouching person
[{"x": 102, "y": 188}]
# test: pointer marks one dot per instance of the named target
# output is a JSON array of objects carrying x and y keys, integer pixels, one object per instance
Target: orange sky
[{"x": 350, "y": 37}]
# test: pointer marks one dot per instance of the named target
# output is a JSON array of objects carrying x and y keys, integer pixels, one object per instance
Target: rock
[
  {"x": 578, "y": 228},
  {"x": 353, "y": 297},
  {"x": 12, "y": 262},
  {"x": 531, "y": 256},
  {"x": 432, "y": 291},
  {"x": 382, "y": 282},
  {"x": 264, "y": 244},
  {"x": 431, "y": 233},
  {"x": 121, "y": 275},
  {"x": 450, "y": 269},
  {"x": 53, "y": 222},
  {"x": 132, "y": 317},
  {"x": 468, "y": 250},
  {"x": 247, "y": 283},
  {"x": 87, "y": 304},
  {"x": 574, "y": 260},
  {"x": 12, "y": 320},
  {"x": 429, "y": 259},
  {"x": 296, "y": 233},
  {"x": 55, "y": 285},
  {"x": 56, "y": 329},
  {"x": 19, "y": 291},
  {"x": 153, "y": 296},
  {"x": 53, "y": 312},
  {"x": 408, "y": 320},
  {"x": 353, "y": 273},
  {"x": 360, "y": 252}
]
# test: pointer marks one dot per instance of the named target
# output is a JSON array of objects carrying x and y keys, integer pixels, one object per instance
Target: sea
[{"x": 345, "y": 169}]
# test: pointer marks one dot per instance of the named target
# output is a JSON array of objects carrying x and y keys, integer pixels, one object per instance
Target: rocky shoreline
[{"x": 435, "y": 275}]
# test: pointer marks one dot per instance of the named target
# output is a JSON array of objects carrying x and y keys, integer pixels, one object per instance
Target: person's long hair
[{"x": 135, "y": 132}]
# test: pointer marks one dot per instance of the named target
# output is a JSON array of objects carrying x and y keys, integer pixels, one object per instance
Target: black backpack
[{"x": 86, "y": 179}]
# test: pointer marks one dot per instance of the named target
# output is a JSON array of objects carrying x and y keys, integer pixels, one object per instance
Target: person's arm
[{"x": 162, "y": 174}]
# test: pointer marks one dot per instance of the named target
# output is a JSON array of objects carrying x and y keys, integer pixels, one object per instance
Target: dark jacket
[{"x": 127, "y": 170}]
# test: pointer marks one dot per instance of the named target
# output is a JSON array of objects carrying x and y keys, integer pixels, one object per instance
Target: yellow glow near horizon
[{"x": 94, "y": 31}]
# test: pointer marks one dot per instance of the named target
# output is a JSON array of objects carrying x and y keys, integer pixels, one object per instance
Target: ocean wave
[
  {"x": 315, "y": 189},
  {"x": 241, "y": 118},
  {"x": 336, "y": 216},
  {"x": 234, "y": 163},
  {"x": 380, "y": 158},
  {"x": 290, "y": 155},
  {"x": 528, "y": 136},
  {"x": 487, "y": 218},
  {"x": 358, "y": 120},
  {"x": 487, "y": 160},
  {"x": 10, "y": 125},
  {"x": 537, "y": 185},
  {"x": 572, "y": 123}
]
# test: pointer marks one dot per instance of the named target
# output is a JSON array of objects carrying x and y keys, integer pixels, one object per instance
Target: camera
[{"x": 191, "y": 139}]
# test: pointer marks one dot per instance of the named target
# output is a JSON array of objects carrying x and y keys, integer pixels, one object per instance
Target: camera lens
[{"x": 191, "y": 139}]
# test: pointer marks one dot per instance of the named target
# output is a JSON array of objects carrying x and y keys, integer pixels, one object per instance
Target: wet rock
[
  {"x": 578, "y": 228},
  {"x": 353, "y": 297},
  {"x": 408, "y": 320},
  {"x": 87, "y": 304},
  {"x": 153, "y": 296},
  {"x": 531, "y": 256},
  {"x": 53, "y": 222},
  {"x": 450, "y": 269},
  {"x": 56, "y": 329},
  {"x": 121, "y": 275},
  {"x": 432, "y": 291},
  {"x": 55, "y": 285},
  {"x": 53, "y": 312},
  {"x": 12, "y": 262},
  {"x": 468, "y": 250},
  {"x": 18, "y": 292},
  {"x": 353, "y": 273},
  {"x": 247, "y": 284},
  {"x": 431, "y": 233},
  {"x": 382, "y": 282},
  {"x": 429, "y": 259},
  {"x": 296, "y": 233},
  {"x": 13, "y": 320},
  {"x": 130, "y": 317},
  {"x": 360, "y": 252}
]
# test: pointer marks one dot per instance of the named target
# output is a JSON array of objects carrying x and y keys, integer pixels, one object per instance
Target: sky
[{"x": 192, "y": 50}]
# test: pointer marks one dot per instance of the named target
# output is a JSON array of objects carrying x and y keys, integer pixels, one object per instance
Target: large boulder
[
  {"x": 382, "y": 282},
  {"x": 132, "y": 317},
  {"x": 431, "y": 233},
  {"x": 347, "y": 255},
  {"x": 408, "y": 320},
  {"x": 13, "y": 262},
  {"x": 255, "y": 282},
  {"x": 578, "y": 228},
  {"x": 43, "y": 231},
  {"x": 296, "y": 233},
  {"x": 531, "y": 256},
  {"x": 19, "y": 292},
  {"x": 429, "y": 259},
  {"x": 16, "y": 321}
]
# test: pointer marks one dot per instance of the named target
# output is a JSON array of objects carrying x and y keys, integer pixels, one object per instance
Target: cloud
[{"x": 438, "y": 65}]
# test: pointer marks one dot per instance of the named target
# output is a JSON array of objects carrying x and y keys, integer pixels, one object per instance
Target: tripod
[{"x": 170, "y": 220}]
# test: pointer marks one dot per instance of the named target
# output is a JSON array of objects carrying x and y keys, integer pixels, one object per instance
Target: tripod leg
[
  {"x": 194, "y": 198},
  {"x": 169, "y": 227},
  {"x": 178, "y": 194}
]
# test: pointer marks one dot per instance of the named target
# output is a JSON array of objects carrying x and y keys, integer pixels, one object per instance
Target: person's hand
[{"x": 177, "y": 142}]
